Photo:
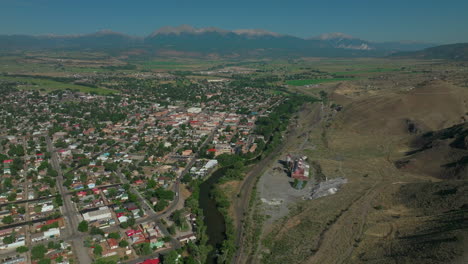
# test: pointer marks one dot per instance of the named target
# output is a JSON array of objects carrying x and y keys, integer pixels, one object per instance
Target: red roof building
[
  {"x": 48, "y": 222},
  {"x": 132, "y": 232},
  {"x": 113, "y": 244},
  {"x": 151, "y": 261},
  {"x": 120, "y": 214},
  {"x": 138, "y": 182},
  {"x": 300, "y": 170}
]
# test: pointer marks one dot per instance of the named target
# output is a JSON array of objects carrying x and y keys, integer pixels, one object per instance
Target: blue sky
[{"x": 377, "y": 20}]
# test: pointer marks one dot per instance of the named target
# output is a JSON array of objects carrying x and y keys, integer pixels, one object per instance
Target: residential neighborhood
[{"x": 89, "y": 178}]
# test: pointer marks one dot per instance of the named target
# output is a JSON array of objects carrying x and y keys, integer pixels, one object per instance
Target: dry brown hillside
[
  {"x": 442, "y": 154},
  {"x": 405, "y": 201},
  {"x": 430, "y": 105}
]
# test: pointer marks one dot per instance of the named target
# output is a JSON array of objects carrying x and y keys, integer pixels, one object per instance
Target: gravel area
[{"x": 277, "y": 194}]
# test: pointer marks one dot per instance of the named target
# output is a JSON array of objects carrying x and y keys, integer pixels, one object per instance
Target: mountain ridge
[
  {"x": 209, "y": 40},
  {"x": 457, "y": 51}
]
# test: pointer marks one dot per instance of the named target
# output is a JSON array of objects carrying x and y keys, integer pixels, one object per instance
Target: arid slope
[{"x": 386, "y": 213}]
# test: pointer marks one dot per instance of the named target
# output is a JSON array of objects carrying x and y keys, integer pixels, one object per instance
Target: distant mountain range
[
  {"x": 213, "y": 41},
  {"x": 457, "y": 51}
]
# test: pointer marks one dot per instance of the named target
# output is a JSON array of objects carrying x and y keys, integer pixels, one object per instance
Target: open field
[
  {"x": 29, "y": 83},
  {"x": 173, "y": 65},
  {"x": 315, "y": 81},
  {"x": 375, "y": 70}
]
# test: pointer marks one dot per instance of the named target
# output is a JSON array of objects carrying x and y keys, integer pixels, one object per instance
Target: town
[{"x": 98, "y": 178}]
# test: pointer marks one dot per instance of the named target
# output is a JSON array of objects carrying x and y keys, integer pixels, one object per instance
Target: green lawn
[
  {"x": 51, "y": 85},
  {"x": 315, "y": 81}
]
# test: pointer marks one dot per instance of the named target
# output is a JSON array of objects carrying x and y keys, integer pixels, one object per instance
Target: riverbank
[
  {"x": 213, "y": 218},
  {"x": 221, "y": 209}
]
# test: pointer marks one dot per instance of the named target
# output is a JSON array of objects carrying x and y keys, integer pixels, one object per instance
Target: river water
[{"x": 214, "y": 220}]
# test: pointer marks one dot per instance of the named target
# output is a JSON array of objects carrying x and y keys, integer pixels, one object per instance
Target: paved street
[{"x": 70, "y": 211}]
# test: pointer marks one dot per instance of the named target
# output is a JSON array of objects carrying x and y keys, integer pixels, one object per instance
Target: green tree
[
  {"x": 114, "y": 235},
  {"x": 22, "y": 210},
  {"x": 97, "y": 250},
  {"x": 58, "y": 201},
  {"x": 44, "y": 261},
  {"x": 131, "y": 221},
  {"x": 11, "y": 197},
  {"x": 161, "y": 205},
  {"x": 171, "y": 257},
  {"x": 179, "y": 219},
  {"x": 22, "y": 249},
  {"x": 123, "y": 243},
  {"x": 7, "y": 220},
  {"x": 38, "y": 252},
  {"x": 172, "y": 229},
  {"x": 96, "y": 231},
  {"x": 53, "y": 245},
  {"x": 83, "y": 226},
  {"x": 9, "y": 239},
  {"x": 145, "y": 249}
]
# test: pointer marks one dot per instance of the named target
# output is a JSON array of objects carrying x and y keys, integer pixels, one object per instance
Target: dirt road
[{"x": 309, "y": 115}]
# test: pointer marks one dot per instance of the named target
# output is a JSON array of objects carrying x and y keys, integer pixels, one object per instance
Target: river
[{"x": 214, "y": 220}]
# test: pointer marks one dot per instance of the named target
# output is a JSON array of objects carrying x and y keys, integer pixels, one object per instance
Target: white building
[
  {"x": 47, "y": 208},
  {"x": 210, "y": 164},
  {"x": 17, "y": 243},
  {"x": 194, "y": 110},
  {"x": 52, "y": 232},
  {"x": 102, "y": 214}
]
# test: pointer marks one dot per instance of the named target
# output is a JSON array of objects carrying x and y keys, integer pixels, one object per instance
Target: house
[
  {"x": 211, "y": 150},
  {"x": 132, "y": 232},
  {"x": 113, "y": 244},
  {"x": 108, "y": 253},
  {"x": 122, "y": 219},
  {"x": 187, "y": 238},
  {"x": 139, "y": 182},
  {"x": 187, "y": 152},
  {"x": 194, "y": 110},
  {"x": 81, "y": 194}
]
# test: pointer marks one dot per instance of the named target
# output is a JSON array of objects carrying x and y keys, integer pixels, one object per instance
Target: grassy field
[
  {"x": 46, "y": 85},
  {"x": 174, "y": 65},
  {"x": 364, "y": 71},
  {"x": 315, "y": 81}
]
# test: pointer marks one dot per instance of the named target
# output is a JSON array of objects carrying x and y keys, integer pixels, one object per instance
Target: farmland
[
  {"x": 315, "y": 81},
  {"x": 47, "y": 85}
]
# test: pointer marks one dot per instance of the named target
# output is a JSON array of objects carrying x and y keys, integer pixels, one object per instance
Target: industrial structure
[{"x": 298, "y": 168}]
